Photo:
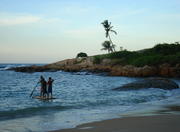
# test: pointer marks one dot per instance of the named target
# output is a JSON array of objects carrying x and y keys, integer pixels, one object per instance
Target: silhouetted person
[
  {"x": 43, "y": 86},
  {"x": 49, "y": 83}
]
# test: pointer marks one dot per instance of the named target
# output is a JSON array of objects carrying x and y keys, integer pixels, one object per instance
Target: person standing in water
[
  {"x": 49, "y": 83},
  {"x": 43, "y": 90}
]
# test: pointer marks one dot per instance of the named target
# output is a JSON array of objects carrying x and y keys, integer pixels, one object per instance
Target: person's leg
[
  {"x": 51, "y": 94},
  {"x": 48, "y": 94},
  {"x": 44, "y": 93},
  {"x": 41, "y": 93}
]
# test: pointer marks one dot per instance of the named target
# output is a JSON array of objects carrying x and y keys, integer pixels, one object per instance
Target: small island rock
[{"x": 161, "y": 83}]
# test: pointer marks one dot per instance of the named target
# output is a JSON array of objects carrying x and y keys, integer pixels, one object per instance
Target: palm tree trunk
[{"x": 111, "y": 43}]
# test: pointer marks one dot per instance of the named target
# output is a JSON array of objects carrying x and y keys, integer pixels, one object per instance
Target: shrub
[
  {"x": 97, "y": 59},
  {"x": 146, "y": 60},
  {"x": 81, "y": 54},
  {"x": 159, "y": 54},
  {"x": 166, "y": 48}
]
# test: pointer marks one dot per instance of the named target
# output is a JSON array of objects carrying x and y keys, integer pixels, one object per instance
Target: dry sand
[{"x": 158, "y": 123}]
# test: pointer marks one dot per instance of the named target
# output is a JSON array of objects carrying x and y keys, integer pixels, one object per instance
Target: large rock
[
  {"x": 161, "y": 83},
  {"x": 132, "y": 71}
]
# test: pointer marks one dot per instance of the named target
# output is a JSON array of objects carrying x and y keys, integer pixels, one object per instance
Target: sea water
[{"x": 80, "y": 98}]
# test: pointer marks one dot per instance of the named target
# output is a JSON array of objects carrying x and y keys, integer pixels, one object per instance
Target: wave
[
  {"x": 8, "y": 66},
  {"x": 26, "y": 112},
  {"x": 2, "y": 67},
  {"x": 82, "y": 73}
]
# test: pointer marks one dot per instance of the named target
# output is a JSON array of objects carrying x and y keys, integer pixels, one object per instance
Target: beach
[
  {"x": 156, "y": 123},
  {"x": 89, "y": 66}
]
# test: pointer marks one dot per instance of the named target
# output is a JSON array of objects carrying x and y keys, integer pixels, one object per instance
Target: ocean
[{"x": 81, "y": 97}]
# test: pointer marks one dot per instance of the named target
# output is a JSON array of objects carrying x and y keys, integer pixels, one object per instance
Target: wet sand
[{"x": 157, "y": 123}]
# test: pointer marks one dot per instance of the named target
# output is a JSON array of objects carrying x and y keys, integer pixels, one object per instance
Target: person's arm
[{"x": 48, "y": 82}]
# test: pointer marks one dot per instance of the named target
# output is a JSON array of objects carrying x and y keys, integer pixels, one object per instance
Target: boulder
[
  {"x": 161, "y": 83},
  {"x": 164, "y": 70}
]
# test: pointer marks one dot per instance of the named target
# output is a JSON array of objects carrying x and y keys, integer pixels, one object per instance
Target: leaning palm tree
[
  {"x": 107, "y": 46},
  {"x": 108, "y": 29}
]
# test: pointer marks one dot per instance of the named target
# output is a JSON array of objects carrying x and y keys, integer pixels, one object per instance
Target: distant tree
[
  {"x": 81, "y": 54},
  {"x": 121, "y": 48},
  {"x": 108, "y": 29},
  {"x": 167, "y": 48},
  {"x": 107, "y": 46},
  {"x": 176, "y": 43}
]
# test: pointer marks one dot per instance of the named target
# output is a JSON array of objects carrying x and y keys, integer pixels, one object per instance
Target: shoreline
[
  {"x": 153, "y": 123},
  {"x": 165, "y": 119},
  {"x": 86, "y": 64}
]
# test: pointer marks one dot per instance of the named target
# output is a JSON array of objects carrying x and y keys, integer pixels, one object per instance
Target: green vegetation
[
  {"x": 108, "y": 29},
  {"x": 159, "y": 54},
  {"x": 81, "y": 54},
  {"x": 107, "y": 46}
]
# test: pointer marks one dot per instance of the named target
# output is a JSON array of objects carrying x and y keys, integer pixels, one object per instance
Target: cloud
[{"x": 7, "y": 19}]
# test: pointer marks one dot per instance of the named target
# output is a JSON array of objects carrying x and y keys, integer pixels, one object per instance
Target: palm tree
[
  {"x": 107, "y": 46},
  {"x": 108, "y": 29}
]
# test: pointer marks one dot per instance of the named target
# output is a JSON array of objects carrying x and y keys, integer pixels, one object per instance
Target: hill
[
  {"x": 159, "y": 54},
  {"x": 160, "y": 60}
]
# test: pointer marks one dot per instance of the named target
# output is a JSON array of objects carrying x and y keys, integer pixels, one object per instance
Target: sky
[{"x": 46, "y": 31}]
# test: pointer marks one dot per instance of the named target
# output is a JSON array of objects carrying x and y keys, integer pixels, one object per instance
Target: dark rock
[
  {"x": 161, "y": 83},
  {"x": 31, "y": 69}
]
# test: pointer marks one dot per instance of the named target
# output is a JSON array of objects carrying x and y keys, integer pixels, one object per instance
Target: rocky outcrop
[
  {"x": 86, "y": 64},
  {"x": 33, "y": 68},
  {"x": 167, "y": 70},
  {"x": 164, "y": 70},
  {"x": 130, "y": 70},
  {"x": 161, "y": 83}
]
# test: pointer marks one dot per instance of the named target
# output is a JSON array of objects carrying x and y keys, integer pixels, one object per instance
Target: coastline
[
  {"x": 162, "y": 60},
  {"x": 156, "y": 123},
  {"x": 87, "y": 64}
]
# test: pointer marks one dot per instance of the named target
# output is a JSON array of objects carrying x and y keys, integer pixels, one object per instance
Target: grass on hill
[{"x": 159, "y": 54}]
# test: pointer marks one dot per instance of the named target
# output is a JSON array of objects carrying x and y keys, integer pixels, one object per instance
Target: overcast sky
[{"x": 45, "y": 31}]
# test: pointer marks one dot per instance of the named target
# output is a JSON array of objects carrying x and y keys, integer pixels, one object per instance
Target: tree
[
  {"x": 107, "y": 46},
  {"x": 108, "y": 29},
  {"x": 81, "y": 54},
  {"x": 121, "y": 48}
]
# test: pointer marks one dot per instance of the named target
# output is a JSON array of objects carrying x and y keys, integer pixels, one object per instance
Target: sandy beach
[{"x": 157, "y": 123}]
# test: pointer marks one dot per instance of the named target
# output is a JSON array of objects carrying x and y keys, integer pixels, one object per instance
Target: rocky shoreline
[{"x": 86, "y": 64}]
